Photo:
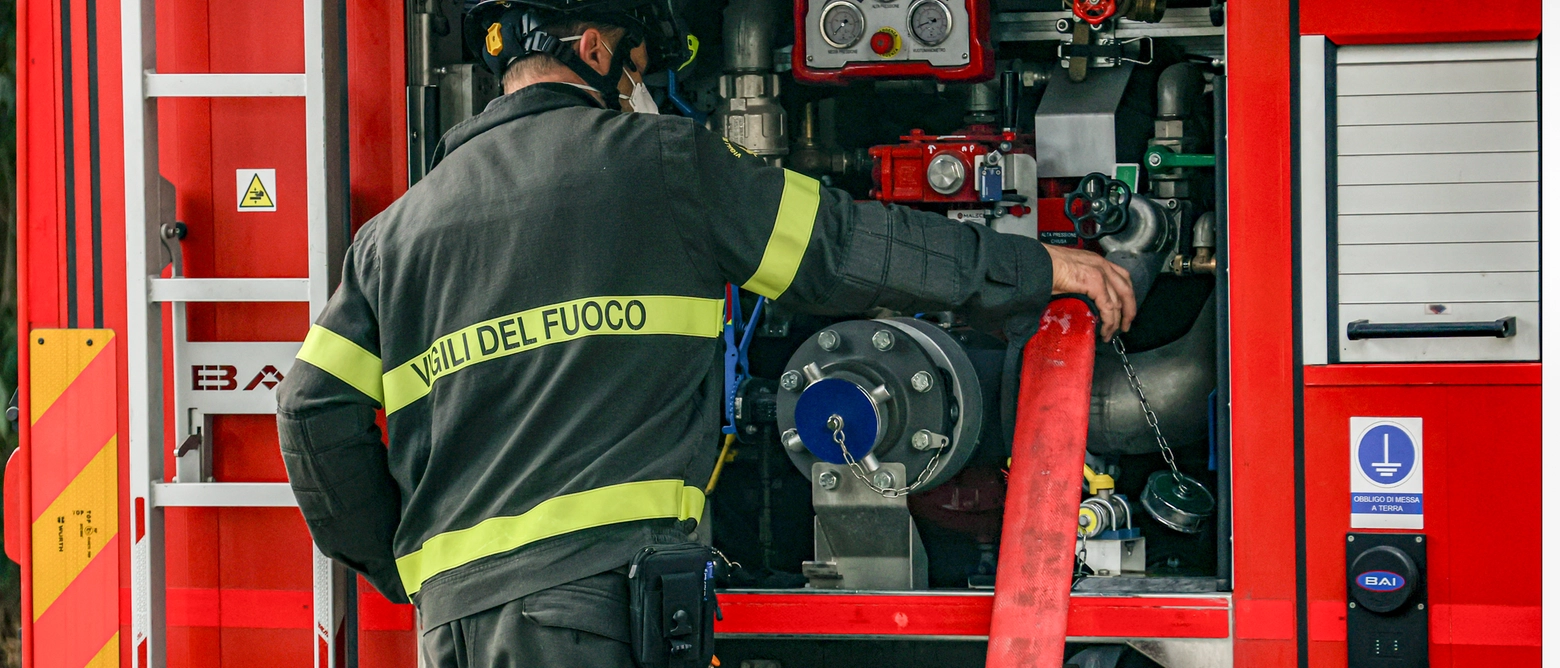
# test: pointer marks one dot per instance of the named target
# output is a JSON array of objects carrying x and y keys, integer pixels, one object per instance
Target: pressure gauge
[
  {"x": 930, "y": 21},
  {"x": 842, "y": 24}
]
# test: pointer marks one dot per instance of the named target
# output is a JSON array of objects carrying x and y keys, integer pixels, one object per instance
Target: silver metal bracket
[{"x": 861, "y": 539}]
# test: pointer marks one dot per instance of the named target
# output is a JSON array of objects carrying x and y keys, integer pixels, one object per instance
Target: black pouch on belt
[{"x": 672, "y": 609}]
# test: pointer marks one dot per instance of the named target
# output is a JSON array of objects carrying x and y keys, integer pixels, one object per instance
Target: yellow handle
[{"x": 1097, "y": 481}]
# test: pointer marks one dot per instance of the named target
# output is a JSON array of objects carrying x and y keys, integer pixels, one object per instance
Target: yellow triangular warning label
[{"x": 255, "y": 197}]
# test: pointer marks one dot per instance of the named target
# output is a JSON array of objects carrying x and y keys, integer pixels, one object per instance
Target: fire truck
[{"x": 1331, "y": 211}]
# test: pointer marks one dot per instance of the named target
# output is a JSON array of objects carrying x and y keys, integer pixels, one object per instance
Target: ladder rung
[
  {"x": 223, "y": 495},
  {"x": 230, "y": 290},
  {"x": 224, "y": 85}
]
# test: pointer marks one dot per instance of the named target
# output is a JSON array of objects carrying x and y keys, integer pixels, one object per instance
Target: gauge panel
[{"x": 935, "y": 33}]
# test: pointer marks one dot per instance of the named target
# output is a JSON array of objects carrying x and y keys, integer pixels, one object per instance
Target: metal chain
[
  {"x": 1148, "y": 411},
  {"x": 1081, "y": 568},
  {"x": 861, "y": 473}
]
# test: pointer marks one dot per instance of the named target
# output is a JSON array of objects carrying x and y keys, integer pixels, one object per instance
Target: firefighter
[{"x": 539, "y": 319}]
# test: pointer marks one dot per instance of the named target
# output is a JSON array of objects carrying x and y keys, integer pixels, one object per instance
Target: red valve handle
[{"x": 1094, "y": 12}]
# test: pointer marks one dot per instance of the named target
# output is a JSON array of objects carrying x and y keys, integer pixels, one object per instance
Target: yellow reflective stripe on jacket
[
  {"x": 340, "y": 357},
  {"x": 788, "y": 241},
  {"x": 627, "y": 502},
  {"x": 528, "y": 330}
]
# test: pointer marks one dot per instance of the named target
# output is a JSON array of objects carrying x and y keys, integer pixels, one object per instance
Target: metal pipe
[
  {"x": 1177, "y": 379},
  {"x": 1142, "y": 247},
  {"x": 749, "y": 32},
  {"x": 750, "y": 114},
  {"x": 1180, "y": 86}
]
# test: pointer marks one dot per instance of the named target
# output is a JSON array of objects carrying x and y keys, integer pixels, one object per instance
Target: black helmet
[{"x": 502, "y": 31}]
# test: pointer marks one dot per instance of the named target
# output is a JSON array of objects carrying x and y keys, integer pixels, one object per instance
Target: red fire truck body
[{"x": 241, "y": 584}]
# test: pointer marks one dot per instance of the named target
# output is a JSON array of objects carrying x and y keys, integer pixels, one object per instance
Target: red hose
[{"x": 1040, "y": 522}]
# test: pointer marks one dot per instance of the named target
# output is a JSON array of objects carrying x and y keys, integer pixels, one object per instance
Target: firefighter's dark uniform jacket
[{"x": 540, "y": 320}]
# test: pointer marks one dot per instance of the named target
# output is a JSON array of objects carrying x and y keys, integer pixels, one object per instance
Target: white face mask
[{"x": 639, "y": 101}]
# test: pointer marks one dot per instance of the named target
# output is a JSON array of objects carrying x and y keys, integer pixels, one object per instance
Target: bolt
[
  {"x": 1063, "y": 25},
  {"x": 1154, "y": 159},
  {"x": 883, "y": 340},
  {"x": 751, "y": 429},
  {"x": 1421, "y": 606},
  {"x": 883, "y": 479},
  {"x": 790, "y": 381},
  {"x": 834, "y": 423},
  {"x": 828, "y": 480},
  {"x": 921, "y": 381},
  {"x": 921, "y": 440},
  {"x": 1083, "y": 521},
  {"x": 1419, "y": 539},
  {"x": 828, "y": 340},
  {"x": 1351, "y": 604},
  {"x": 1351, "y": 539}
]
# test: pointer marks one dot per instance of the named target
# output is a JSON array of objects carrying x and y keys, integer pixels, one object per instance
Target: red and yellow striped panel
[{"x": 75, "y": 498}]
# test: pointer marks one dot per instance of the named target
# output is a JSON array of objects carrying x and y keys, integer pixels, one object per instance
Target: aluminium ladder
[{"x": 150, "y": 245}]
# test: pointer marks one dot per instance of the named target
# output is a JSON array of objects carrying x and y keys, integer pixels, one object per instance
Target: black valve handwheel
[{"x": 1099, "y": 206}]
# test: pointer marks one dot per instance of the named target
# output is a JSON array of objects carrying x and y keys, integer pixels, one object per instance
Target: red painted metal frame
[
  {"x": 1423, "y": 374},
  {"x": 1262, "y": 366},
  {"x": 25, "y": 125},
  {"x": 1353, "y": 22},
  {"x": 963, "y": 615}
]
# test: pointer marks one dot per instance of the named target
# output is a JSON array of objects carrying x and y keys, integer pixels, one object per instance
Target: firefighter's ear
[{"x": 594, "y": 50}]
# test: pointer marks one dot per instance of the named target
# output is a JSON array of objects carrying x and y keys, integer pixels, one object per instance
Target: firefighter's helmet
[{"x": 503, "y": 31}]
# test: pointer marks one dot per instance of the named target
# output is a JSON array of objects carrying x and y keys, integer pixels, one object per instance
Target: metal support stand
[{"x": 861, "y": 539}]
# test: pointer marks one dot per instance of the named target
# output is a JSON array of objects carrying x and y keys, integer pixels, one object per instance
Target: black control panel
[{"x": 1389, "y": 616}]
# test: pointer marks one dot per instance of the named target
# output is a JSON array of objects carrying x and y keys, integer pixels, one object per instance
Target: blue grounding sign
[{"x": 1386, "y": 454}]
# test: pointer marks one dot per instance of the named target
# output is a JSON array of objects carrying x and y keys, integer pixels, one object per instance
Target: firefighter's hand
[{"x": 1083, "y": 272}]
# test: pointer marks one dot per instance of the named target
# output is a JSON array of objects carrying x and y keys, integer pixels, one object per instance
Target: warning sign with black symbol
[{"x": 256, "y": 190}]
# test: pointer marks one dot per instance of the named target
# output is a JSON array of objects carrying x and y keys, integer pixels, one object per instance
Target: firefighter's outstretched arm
[
  {"x": 783, "y": 235},
  {"x": 330, "y": 440}
]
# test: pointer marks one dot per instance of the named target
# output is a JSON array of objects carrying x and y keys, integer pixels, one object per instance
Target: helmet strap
[{"x": 606, "y": 84}]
